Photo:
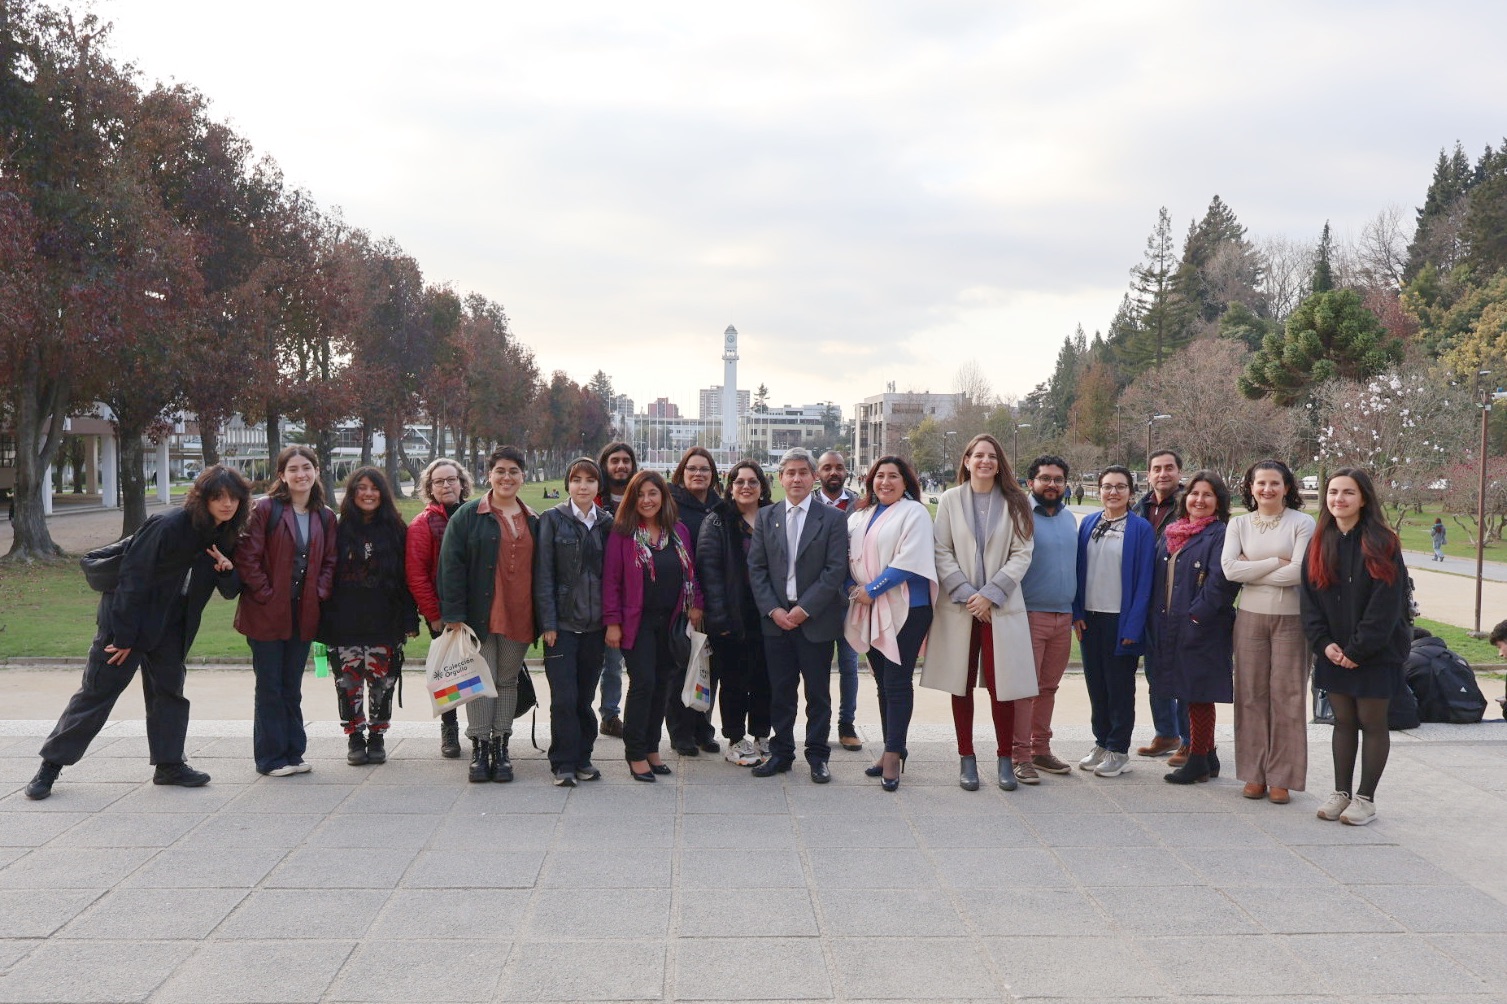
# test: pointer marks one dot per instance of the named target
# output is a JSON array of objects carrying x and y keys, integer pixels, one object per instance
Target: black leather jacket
[
  {"x": 568, "y": 570},
  {"x": 722, "y": 570}
]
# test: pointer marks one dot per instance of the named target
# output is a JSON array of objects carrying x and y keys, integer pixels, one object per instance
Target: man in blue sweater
[{"x": 1048, "y": 590}]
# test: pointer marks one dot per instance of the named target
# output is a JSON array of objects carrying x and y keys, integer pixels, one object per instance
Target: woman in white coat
[
  {"x": 979, "y": 633},
  {"x": 892, "y": 583}
]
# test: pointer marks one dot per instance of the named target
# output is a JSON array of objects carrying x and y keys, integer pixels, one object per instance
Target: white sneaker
[
  {"x": 301, "y": 767},
  {"x": 1359, "y": 812},
  {"x": 741, "y": 753},
  {"x": 1113, "y": 764},
  {"x": 1335, "y": 806},
  {"x": 762, "y": 744},
  {"x": 286, "y": 770},
  {"x": 1094, "y": 759}
]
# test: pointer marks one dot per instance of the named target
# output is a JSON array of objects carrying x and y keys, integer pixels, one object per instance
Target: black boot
[
  {"x": 376, "y": 747},
  {"x": 1213, "y": 763},
  {"x": 502, "y": 767},
  {"x": 481, "y": 761},
  {"x": 1196, "y": 769},
  {"x": 356, "y": 754},
  {"x": 41, "y": 785},
  {"x": 180, "y": 774},
  {"x": 968, "y": 773},
  {"x": 449, "y": 737}
]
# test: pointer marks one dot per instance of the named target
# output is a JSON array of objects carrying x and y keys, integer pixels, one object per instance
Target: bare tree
[
  {"x": 1381, "y": 253},
  {"x": 1287, "y": 268},
  {"x": 977, "y": 398}
]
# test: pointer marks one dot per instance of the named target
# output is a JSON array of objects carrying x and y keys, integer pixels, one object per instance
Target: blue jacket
[
  {"x": 1135, "y": 579},
  {"x": 1192, "y": 625}
]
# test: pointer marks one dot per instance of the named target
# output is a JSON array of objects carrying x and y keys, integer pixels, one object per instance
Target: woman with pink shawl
[{"x": 892, "y": 582}]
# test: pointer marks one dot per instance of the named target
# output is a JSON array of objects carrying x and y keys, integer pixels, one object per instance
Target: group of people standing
[{"x": 996, "y": 587}]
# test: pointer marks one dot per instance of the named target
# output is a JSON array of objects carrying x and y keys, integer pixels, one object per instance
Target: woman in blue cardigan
[{"x": 1116, "y": 549}]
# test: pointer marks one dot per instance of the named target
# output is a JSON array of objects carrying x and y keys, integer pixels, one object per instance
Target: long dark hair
[
  {"x": 908, "y": 476},
  {"x": 211, "y": 484},
  {"x": 678, "y": 477},
  {"x": 279, "y": 488},
  {"x": 387, "y": 510},
  {"x": 1378, "y": 544},
  {"x": 1293, "y": 498},
  {"x": 626, "y": 519},
  {"x": 1216, "y": 484},
  {"x": 1015, "y": 496},
  {"x": 765, "y": 495}
]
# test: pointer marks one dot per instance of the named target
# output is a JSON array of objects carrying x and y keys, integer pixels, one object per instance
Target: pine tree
[
  {"x": 1163, "y": 312},
  {"x": 1219, "y": 265},
  {"x": 1323, "y": 271},
  {"x": 1331, "y": 335},
  {"x": 1433, "y": 240},
  {"x": 1485, "y": 230}
]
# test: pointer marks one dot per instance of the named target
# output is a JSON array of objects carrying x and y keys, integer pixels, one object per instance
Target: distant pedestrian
[
  {"x": 287, "y": 568},
  {"x": 369, "y": 614},
  {"x": 1355, "y": 615},
  {"x": 444, "y": 485},
  {"x": 1436, "y": 535},
  {"x": 1078, "y": 496},
  {"x": 176, "y": 560}
]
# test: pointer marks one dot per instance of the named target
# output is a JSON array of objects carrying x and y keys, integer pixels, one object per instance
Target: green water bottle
[{"x": 321, "y": 660}]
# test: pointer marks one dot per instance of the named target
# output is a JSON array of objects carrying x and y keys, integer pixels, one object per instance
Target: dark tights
[{"x": 1354, "y": 717}]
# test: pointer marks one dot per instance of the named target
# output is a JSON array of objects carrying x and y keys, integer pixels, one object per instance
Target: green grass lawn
[{"x": 1415, "y": 535}]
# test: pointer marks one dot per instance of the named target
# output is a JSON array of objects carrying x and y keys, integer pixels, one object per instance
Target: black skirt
[{"x": 1363, "y": 681}]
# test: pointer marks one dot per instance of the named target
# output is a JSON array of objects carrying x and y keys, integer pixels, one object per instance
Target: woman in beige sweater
[{"x": 1263, "y": 550}]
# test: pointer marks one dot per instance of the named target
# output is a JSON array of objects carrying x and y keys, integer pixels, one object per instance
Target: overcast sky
[{"x": 870, "y": 191}]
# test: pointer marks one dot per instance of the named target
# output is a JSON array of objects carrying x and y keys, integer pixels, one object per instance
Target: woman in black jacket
[
  {"x": 732, "y": 617},
  {"x": 369, "y": 613},
  {"x": 175, "y": 561},
  {"x": 693, "y": 486},
  {"x": 1354, "y": 601},
  {"x": 568, "y": 603}
]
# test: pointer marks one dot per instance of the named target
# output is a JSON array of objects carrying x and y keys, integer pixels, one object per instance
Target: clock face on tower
[{"x": 731, "y": 338}]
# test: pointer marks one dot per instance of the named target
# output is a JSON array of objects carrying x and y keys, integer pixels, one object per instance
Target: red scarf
[{"x": 1185, "y": 529}]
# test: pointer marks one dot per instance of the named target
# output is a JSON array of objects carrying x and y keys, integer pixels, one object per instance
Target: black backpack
[
  {"x": 102, "y": 565},
  {"x": 1444, "y": 684}
]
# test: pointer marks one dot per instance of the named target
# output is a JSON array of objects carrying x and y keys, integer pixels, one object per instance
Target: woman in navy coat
[{"x": 1192, "y": 623}]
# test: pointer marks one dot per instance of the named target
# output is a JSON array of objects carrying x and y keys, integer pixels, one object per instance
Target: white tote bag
[
  {"x": 455, "y": 672},
  {"x": 697, "y": 692}
]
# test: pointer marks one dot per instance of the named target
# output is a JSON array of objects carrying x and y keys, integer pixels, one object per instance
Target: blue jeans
[
  {"x": 847, "y": 687},
  {"x": 277, "y": 732},
  {"x": 1170, "y": 716},
  {"x": 612, "y": 684},
  {"x": 1111, "y": 682}
]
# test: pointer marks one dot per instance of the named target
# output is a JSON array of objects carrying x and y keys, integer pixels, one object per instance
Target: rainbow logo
[{"x": 458, "y": 692}]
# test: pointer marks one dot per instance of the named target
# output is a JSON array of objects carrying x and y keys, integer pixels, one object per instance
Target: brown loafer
[
  {"x": 612, "y": 727},
  {"x": 850, "y": 743},
  {"x": 1049, "y": 763},
  {"x": 1180, "y": 757},
  {"x": 1253, "y": 790},
  {"x": 1159, "y": 746},
  {"x": 1279, "y": 795}
]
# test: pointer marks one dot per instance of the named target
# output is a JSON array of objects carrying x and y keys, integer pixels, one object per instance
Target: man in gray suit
[{"x": 797, "y": 563}]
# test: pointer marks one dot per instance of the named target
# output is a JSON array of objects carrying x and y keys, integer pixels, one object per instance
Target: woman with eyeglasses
[
  {"x": 487, "y": 581},
  {"x": 693, "y": 486},
  {"x": 1192, "y": 624},
  {"x": 1116, "y": 551},
  {"x": 732, "y": 617}
]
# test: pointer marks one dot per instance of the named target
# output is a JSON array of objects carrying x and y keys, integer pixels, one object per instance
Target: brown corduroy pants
[{"x": 1271, "y": 700}]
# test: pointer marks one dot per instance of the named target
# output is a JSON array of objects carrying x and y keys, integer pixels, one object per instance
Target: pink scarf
[{"x": 1183, "y": 530}]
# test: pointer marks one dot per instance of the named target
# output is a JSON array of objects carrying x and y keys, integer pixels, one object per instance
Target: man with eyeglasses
[
  {"x": 832, "y": 474},
  {"x": 1168, "y": 714},
  {"x": 1048, "y": 589},
  {"x": 444, "y": 485}
]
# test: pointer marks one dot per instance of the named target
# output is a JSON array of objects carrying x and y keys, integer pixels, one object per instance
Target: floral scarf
[
  {"x": 1184, "y": 530},
  {"x": 644, "y": 547}
]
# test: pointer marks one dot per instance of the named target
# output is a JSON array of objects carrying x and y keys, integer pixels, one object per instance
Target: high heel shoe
[
  {"x": 660, "y": 768},
  {"x": 891, "y": 783},
  {"x": 876, "y": 769},
  {"x": 647, "y": 775}
]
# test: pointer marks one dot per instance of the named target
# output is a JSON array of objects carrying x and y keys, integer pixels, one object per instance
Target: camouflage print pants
[{"x": 361, "y": 670}]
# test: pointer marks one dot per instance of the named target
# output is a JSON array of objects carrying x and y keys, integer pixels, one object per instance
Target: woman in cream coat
[{"x": 979, "y": 633}]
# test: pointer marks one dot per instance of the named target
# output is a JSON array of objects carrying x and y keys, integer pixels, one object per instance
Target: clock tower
[{"x": 730, "y": 392}]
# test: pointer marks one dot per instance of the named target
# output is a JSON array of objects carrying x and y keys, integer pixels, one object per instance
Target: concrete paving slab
[
  {"x": 1226, "y": 967},
  {"x": 1336, "y": 910},
  {"x": 619, "y": 971},
  {"x": 406, "y": 971},
  {"x": 992, "y": 830},
  {"x": 1140, "y": 866},
  {"x": 572, "y": 914},
  {"x": 130, "y": 829},
  {"x": 514, "y": 868},
  {"x": 73, "y": 867},
  {"x": 879, "y": 868},
  {"x": 1041, "y": 912},
  {"x": 375, "y": 829},
  {"x": 889, "y": 913},
  {"x": 72, "y": 972},
  {"x": 913, "y": 969},
  {"x": 749, "y": 913},
  {"x": 25, "y": 914},
  {"x": 737, "y": 868},
  {"x": 625, "y": 868},
  {"x": 711, "y": 969},
  {"x": 318, "y": 914},
  {"x": 340, "y": 868},
  {"x": 171, "y": 914},
  {"x": 1438, "y": 909},
  {"x": 252, "y": 829},
  {"x": 1174, "y": 911},
  {"x": 1006, "y": 868},
  {"x": 1096, "y": 829},
  {"x": 461, "y": 830},
  {"x": 1092, "y": 966},
  {"x": 1398, "y": 963},
  {"x": 254, "y": 972},
  {"x": 68, "y": 797},
  {"x": 593, "y": 832},
  {"x": 207, "y": 868}
]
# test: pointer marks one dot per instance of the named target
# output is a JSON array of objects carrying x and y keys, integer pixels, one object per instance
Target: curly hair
[
  {"x": 426, "y": 479},
  {"x": 1293, "y": 498},
  {"x": 214, "y": 482}
]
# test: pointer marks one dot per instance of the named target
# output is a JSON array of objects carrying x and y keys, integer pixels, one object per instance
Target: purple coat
[{"x": 623, "y": 584}]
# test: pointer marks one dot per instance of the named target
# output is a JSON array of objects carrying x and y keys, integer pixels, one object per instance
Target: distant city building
[
  {"x": 880, "y": 421},
  {"x": 664, "y": 408},
  {"x": 768, "y": 434},
  {"x": 711, "y": 403}
]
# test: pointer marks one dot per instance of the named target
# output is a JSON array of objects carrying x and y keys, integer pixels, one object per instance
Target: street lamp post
[
  {"x": 1150, "y": 421},
  {"x": 1015, "y": 448},
  {"x": 1485, "y": 393}
]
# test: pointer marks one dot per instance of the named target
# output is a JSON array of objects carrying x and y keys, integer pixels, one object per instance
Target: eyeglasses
[
  {"x": 445, "y": 481},
  {"x": 698, "y": 470},
  {"x": 746, "y": 483},
  {"x": 1051, "y": 481},
  {"x": 512, "y": 474},
  {"x": 1114, "y": 488}
]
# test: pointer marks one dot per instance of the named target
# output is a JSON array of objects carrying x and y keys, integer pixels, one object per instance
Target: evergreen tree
[
  {"x": 1323, "y": 271},
  {"x": 1219, "y": 265},
  {"x": 1331, "y": 335},
  {"x": 601, "y": 386},
  {"x": 1243, "y": 325},
  {"x": 1485, "y": 229},
  {"x": 1433, "y": 240},
  {"x": 1053, "y": 405},
  {"x": 1163, "y": 312}
]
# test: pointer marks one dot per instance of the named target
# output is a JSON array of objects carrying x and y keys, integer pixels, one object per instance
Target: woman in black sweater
[
  {"x": 1354, "y": 602},
  {"x": 369, "y": 613}
]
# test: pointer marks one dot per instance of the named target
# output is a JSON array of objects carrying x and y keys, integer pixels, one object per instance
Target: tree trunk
[
  {"x": 393, "y": 430},
  {"x": 366, "y": 442},
  {"x": 436, "y": 434},
  {"x": 38, "y": 407},
  {"x": 274, "y": 439},
  {"x": 324, "y": 449},
  {"x": 209, "y": 442},
  {"x": 133, "y": 493}
]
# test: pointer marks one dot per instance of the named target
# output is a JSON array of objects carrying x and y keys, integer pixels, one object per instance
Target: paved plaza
[{"x": 404, "y": 883}]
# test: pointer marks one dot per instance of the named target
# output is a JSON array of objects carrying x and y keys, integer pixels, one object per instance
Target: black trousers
[
  {"x": 1111, "y": 682},
  {"x": 572, "y": 665},
  {"x": 162, "y": 673},
  {"x": 686, "y": 726},
  {"x": 742, "y": 686},
  {"x": 793, "y": 660},
  {"x": 649, "y": 664}
]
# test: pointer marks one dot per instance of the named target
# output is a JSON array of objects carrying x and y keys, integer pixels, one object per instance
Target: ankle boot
[
  {"x": 1007, "y": 780},
  {"x": 376, "y": 747},
  {"x": 481, "y": 761},
  {"x": 968, "y": 773},
  {"x": 449, "y": 737},
  {"x": 1195, "y": 769},
  {"x": 1213, "y": 763},
  {"x": 356, "y": 754},
  {"x": 41, "y": 786},
  {"x": 502, "y": 767}
]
